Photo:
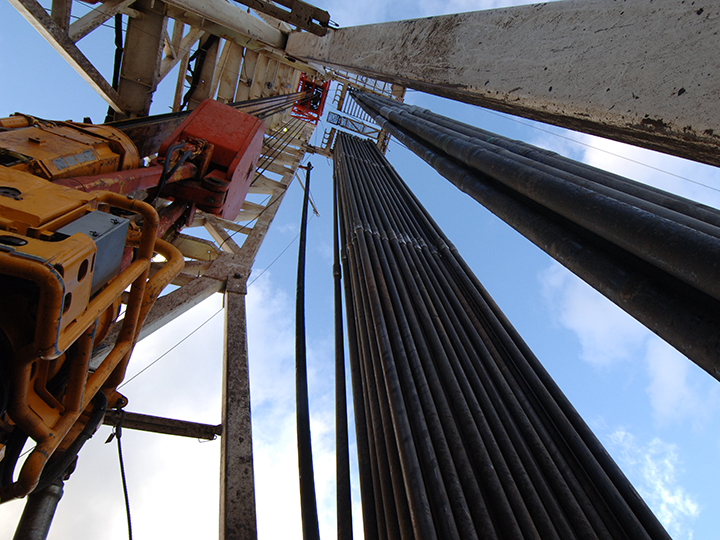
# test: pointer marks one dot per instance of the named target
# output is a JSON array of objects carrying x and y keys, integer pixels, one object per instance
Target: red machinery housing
[
  {"x": 235, "y": 141},
  {"x": 311, "y": 109}
]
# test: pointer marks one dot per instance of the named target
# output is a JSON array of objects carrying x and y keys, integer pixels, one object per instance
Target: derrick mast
[{"x": 461, "y": 432}]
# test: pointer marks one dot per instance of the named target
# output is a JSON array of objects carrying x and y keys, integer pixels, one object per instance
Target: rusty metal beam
[
  {"x": 94, "y": 18},
  {"x": 140, "y": 71},
  {"x": 182, "y": 46},
  {"x": 234, "y": 19},
  {"x": 297, "y": 12},
  {"x": 164, "y": 426}
]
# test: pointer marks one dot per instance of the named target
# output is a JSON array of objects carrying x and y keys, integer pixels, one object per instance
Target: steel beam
[
  {"x": 58, "y": 38},
  {"x": 638, "y": 72},
  {"x": 204, "y": 89},
  {"x": 140, "y": 71},
  {"x": 164, "y": 426},
  {"x": 258, "y": 81},
  {"x": 229, "y": 72},
  {"x": 220, "y": 235},
  {"x": 237, "y": 488},
  {"x": 297, "y": 12},
  {"x": 60, "y": 13},
  {"x": 182, "y": 50},
  {"x": 94, "y": 18},
  {"x": 247, "y": 72}
]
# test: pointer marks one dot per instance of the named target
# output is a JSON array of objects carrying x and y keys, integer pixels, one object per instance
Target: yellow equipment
[{"x": 65, "y": 259}]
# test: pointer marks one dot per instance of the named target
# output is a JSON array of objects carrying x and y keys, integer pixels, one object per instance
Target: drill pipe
[
  {"x": 465, "y": 434},
  {"x": 641, "y": 253}
]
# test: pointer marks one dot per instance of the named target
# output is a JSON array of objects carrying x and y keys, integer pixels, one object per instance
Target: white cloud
[
  {"x": 607, "y": 335},
  {"x": 674, "y": 394},
  {"x": 173, "y": 482},
  {"x": 678, "y": 390},
  {"x": 272, "y": 372},
  {"x": 653, "y": 468},
  {"x": 288, "y": 228},
  {"x": 666, "y": 172}
]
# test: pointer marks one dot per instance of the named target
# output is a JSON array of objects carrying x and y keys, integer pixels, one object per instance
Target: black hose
[
  {"x": 167, "y": 172},
  {"x": 308, "y": 504},
  {"x": 61, "y": 462},
  {"x": 117, "y": 64}
]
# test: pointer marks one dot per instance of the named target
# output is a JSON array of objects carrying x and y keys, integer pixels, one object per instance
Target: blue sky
[{"x": 656, "y": 412}]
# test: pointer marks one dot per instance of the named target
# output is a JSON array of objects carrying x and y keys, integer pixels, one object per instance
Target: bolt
[
  {"x": 114, "y": 221},
  {"x": 94, "y": 234}
]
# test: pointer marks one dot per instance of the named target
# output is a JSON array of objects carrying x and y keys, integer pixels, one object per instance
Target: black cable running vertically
[
  {"x": 117, "y": 435},
  {"x": 308, "y": 505}
]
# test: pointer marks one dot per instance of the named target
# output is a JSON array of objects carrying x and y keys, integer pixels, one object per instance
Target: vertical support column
[
  {"x": 247, "y": 72},
  {"x": 258, "y": 81},
  {"x": 180, "y": 84},
  {"x": 144, "y": 42},
  {"x": 60, "y": 13},
  {"x": 228, "y": 77},
  {"x": 237, "y": 488}
]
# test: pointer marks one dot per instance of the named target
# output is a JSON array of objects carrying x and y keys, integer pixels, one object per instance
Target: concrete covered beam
[{"x": 641, "y": 72}]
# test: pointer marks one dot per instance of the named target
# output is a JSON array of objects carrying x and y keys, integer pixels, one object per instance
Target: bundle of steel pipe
[
  {"x": 654, "y": 254},
  {"x": 461, "y": 433}
]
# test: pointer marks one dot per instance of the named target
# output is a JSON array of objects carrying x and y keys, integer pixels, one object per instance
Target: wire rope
[
  {"x": 117, "y": 435},
  {"x": 163, "y": 355}
]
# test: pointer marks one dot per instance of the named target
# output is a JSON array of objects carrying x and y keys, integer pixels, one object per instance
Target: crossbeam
[{"x": 164, "y": 426}]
